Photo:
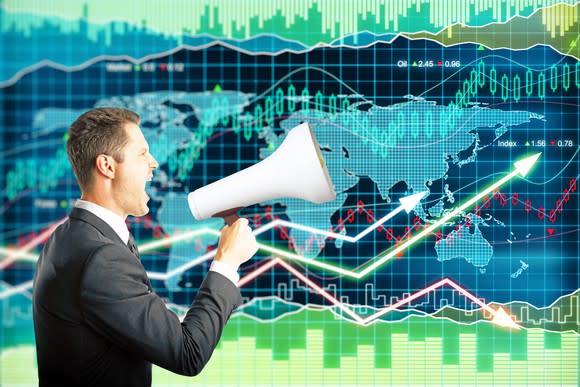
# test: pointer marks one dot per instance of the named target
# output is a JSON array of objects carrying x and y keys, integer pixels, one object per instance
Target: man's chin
[
  {"x": 144, "y": 210},
  {"x": 144, "y": 206}
]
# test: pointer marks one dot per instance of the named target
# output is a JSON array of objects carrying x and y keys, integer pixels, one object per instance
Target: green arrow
[{"x": 522, "y": 168}]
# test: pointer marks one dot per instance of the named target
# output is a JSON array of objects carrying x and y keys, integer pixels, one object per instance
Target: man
[{"x": 96, "y": 319}]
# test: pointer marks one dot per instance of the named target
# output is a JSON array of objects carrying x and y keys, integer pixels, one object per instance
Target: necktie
[{"x": 132, "y": 246}]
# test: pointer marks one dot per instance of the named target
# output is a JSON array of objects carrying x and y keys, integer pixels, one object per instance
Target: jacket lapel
[
  {"x": 105, "y": 229},
  {"x": 98, "y": 223}
]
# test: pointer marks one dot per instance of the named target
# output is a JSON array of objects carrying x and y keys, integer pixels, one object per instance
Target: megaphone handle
[{"x": 231, "y": 218}]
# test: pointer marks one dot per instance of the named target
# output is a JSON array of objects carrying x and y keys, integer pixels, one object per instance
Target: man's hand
[{"x": 237, "y": 244}]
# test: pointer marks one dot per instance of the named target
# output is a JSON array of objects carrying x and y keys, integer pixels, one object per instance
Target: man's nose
[{"x": 153, "y": 163}]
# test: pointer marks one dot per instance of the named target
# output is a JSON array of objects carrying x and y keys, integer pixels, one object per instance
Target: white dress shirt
[{"x": 118, "y": 225}]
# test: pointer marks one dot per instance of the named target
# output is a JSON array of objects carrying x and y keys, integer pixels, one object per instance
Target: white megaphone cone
[{"x": 295, "y": 170}]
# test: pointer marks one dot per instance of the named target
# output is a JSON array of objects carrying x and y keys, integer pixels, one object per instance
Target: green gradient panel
[
  {"x": 506, "y": 358},
  {"x": 307, "y": 22},
  {"x": 341, "y": 339}
]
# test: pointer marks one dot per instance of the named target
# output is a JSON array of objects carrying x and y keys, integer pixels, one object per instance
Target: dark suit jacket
[{"x": 97, "y": 321}]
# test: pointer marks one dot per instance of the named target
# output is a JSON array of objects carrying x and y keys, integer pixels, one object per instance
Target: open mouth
[{"x": 148, "y": 182}]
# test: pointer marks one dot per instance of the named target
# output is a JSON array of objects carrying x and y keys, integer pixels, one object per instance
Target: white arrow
[{"x": 407, "y": 204}]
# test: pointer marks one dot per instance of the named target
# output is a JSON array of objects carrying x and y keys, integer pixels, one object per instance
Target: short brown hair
[{"x": 96, "y": 132}]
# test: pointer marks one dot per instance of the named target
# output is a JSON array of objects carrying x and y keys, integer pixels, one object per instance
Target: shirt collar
[{"x": 113, "y": 220}]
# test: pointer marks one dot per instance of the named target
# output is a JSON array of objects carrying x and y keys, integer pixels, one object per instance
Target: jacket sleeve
[{"x": 117, "y": 303}]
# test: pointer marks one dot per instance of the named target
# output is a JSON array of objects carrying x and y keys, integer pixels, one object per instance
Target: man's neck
[{"x": 98, "y": 200}]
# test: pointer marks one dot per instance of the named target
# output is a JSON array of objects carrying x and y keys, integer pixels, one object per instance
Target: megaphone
[{"x": 295, "y": 170}]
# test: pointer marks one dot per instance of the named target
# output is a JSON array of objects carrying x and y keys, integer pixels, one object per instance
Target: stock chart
[{"x": 467, "y": 109}]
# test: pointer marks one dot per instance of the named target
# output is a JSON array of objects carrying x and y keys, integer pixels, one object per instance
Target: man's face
[{"x": 133, "y": 173}]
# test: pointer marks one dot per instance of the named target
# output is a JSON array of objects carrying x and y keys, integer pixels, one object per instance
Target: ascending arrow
[
  {"x": 407, "y": 204},
  {"x": 522, "y": 168}
]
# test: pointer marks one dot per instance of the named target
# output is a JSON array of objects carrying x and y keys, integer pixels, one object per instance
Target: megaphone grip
[
  {"x": 230, "y": 216},
  {"x": 231, "y": 219}
]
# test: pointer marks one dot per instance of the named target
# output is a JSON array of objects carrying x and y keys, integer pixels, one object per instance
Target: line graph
[
  {"x": 21, "y": 253},
  {"x": 522, "y": 168},
  {"x": 500, "y": 317}
]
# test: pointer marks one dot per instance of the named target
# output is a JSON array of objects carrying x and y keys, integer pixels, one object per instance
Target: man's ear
[{"x": 106, "y": 166}]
